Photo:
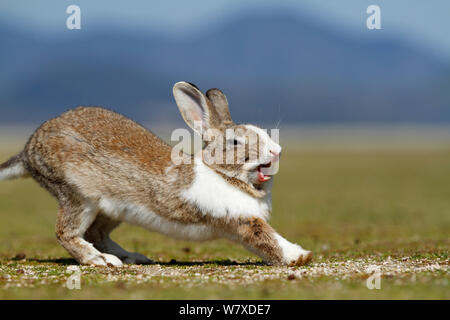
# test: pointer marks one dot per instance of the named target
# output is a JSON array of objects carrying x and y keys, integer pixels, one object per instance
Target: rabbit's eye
[{"x": 235, "y": 142}]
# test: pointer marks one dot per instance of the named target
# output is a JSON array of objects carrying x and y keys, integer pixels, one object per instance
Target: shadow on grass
[
  {"x": 210, "y": 262},
  {"x": 171, "y": 263},
  {"x": 61, "y": 261}
]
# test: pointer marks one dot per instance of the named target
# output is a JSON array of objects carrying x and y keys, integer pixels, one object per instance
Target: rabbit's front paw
[
  {"x": 104, "y": 259},
  {"x": 136, "y": 258},
  {"x": 304, "y": 258}
]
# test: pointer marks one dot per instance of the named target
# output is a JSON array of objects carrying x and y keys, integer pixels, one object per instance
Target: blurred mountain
[{"x": 273, "y": 67}]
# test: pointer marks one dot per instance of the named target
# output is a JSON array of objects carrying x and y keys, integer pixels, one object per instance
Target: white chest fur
[{"x": 213, "y": 195}]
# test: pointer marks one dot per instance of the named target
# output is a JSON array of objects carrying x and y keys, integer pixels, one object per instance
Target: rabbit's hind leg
[
  {"x": 98, "y": 234},
  {"x": 73, "y": 221}
]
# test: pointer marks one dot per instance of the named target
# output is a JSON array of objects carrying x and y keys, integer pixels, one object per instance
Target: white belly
[{"x": 141, "y": 216}]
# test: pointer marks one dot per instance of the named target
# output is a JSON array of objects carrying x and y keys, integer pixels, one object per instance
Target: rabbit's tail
[{"x": 13, "y": 168}]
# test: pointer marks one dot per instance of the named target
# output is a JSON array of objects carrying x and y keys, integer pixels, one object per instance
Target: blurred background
[{"x": 294, "y": 62}]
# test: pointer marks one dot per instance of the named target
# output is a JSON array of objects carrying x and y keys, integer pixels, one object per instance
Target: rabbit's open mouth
[
  {"x": 262, "y": 177},
  {"x": 267, "y": 170}
]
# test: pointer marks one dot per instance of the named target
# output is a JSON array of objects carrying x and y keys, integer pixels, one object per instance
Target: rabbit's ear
[
  {"x": 220, "y": 102},
  {"x": 195, "y": 108}
]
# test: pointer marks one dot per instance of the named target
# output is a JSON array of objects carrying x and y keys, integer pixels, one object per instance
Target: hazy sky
[{"x": 426, "y": 22}]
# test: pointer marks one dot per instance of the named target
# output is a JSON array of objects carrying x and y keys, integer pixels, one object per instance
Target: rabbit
[{"x": 104, "y": 169}]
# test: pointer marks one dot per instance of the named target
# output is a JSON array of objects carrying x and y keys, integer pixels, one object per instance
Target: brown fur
[
  {"x": 122, "y": 160},
  {"x": 220, "y": 103},
  {"x": 259, "y": 237}
]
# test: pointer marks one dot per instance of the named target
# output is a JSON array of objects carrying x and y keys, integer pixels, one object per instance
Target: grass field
[{"x": 354, "y": 209}]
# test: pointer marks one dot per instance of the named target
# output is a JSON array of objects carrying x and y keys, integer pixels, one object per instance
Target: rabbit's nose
[{"x": 276, "y": 155}]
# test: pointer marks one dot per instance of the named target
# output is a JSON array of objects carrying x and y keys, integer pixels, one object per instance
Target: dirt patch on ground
[{"x": 23, "y": 274}]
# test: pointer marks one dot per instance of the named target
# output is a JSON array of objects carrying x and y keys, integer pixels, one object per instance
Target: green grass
[{"x": 346, "y": 206}]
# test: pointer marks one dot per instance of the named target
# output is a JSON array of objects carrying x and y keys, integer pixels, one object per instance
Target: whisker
[{"x": 279, "y": 117}]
